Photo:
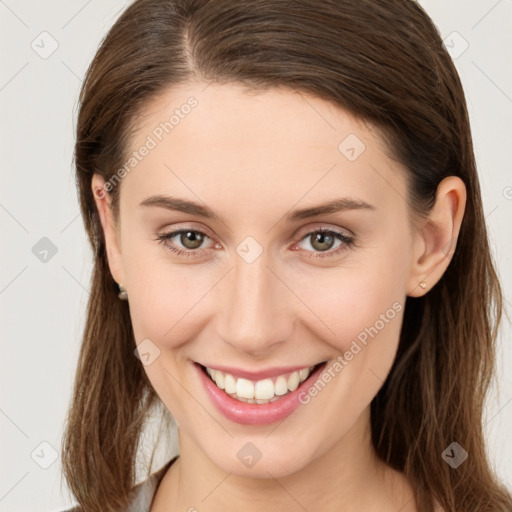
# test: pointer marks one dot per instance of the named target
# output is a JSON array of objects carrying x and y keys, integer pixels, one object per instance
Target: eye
[
  {"x": 190, "y": 239},
  {"x": 322, "y": 241}
]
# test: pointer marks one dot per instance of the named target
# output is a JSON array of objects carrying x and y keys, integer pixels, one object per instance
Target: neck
[{"x": 348, "y": 477}]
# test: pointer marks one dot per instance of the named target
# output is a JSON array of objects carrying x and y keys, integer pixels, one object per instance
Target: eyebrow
[
  {"x": 337, "y": 205},
  {"x": 186, "y": 206}
]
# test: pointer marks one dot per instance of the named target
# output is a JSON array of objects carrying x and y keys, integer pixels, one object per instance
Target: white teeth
[
  {"x": 262, "y": 391},
  {"x": 229, "y": 384},
  {"x": 293, "y": 381},
  {"x": 219, "y": 379},
  {"x": 245, "y": 388},
  {"x": 303, "y": 374},
  {"x": 281, "y": 386}
]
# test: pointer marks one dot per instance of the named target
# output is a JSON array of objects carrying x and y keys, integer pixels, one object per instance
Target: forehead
[{"x": 273, "y": 147}]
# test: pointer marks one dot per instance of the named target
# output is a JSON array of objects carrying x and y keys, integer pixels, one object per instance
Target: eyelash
[{"x": 348, "y": 242}]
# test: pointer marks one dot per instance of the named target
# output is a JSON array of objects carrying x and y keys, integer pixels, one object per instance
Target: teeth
[
  {"x": 219, "y": 379},
  {"x": 229, "y": 384},
  {"x": 303, "y": 374},
  {"x": 245, "y": 388},
  {"x": 281, "y": 386},
  {"x": 293, "y": 381},
  {"x": 263, "y": 390},
  {"x": 260, "y": 392}
]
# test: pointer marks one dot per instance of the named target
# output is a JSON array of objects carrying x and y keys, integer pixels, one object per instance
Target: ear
[
  {"x": 110, "y": 231},
  {"x": 435, "y": 241}
]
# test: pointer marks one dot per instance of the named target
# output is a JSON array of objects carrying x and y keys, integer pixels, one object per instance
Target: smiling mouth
[{"x": 262, "y": 391}]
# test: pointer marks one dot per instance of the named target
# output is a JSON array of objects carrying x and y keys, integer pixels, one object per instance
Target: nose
[{"x": 254, "y": 313}]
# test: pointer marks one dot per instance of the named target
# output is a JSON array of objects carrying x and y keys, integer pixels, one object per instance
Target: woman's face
[{"x": 258, "y": 289}]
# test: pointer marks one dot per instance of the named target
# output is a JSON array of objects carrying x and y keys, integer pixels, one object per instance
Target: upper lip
[{"x": 258, "y": 375}]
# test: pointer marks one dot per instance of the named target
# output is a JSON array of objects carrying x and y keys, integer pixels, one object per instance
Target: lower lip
[{"x": 255, "y": 414}]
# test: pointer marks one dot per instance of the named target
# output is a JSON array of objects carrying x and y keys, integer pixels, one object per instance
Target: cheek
[
  {"x": 366, "y": 324},
  {"x": 364, "y": 308},
  {"x": 356, "y": 302},
  {"x": 165, "y": 302},
  {"x": 165, "y": 308},
  {"x": 162, "y": 294}
]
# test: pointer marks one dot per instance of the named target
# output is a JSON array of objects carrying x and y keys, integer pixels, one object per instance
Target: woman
[{"x": 290, "y": 257}]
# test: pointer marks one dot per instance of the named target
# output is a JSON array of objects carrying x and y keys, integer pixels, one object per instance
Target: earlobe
[
  {"x": 435, "y": 242},
  {"x": 103, "y": 205}
]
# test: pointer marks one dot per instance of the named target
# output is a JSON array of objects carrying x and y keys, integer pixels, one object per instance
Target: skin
[{"x": 252, "y": 158}]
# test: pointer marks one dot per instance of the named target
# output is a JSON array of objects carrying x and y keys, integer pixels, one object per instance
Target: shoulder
[{"x": 142, "y": 494}]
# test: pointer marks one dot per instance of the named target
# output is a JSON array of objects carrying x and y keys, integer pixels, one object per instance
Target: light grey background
[{"x": 43, "y": 303}]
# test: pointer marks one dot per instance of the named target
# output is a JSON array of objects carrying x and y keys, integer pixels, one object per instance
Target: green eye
[{"x": 321, "y": 241}]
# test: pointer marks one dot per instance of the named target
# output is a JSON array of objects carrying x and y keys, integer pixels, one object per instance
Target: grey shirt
[{"x": 143, "y": 493}]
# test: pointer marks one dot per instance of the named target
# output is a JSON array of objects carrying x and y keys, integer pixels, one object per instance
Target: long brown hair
[{"x": 384, "y": 62}]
